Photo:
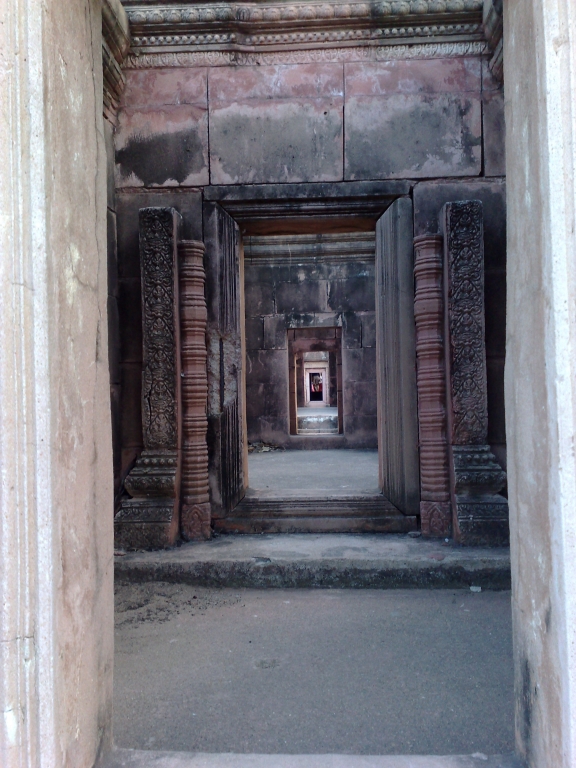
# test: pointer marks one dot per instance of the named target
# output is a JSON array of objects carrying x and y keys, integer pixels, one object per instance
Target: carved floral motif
[
  {"x": 154, "y": 480},
  {"x": 303, "y": 56},
  {"x": 236, "y": 26},
  {"x": 157, "y": 261},
  {"x": 436, "y": 518},
  {"x": 464, "y": 244},
  {"x": 480, "y": 513}
]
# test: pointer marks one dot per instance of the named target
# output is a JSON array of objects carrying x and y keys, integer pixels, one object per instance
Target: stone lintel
[{"x": 241, "y": 26}]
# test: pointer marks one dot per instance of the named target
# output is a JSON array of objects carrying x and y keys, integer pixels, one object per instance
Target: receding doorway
[{"x": 317, "y": 355}]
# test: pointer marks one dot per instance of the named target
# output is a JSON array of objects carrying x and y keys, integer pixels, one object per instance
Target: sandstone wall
[{"x": 436, "y": 122}]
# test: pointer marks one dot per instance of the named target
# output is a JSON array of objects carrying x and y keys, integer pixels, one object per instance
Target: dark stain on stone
[
  {"x": 525, "y": 705},
  {"x": 548, "y": 618},
  {"x": 267, "y": 148},
  {"x": 408, "y": 140},
  {"x": 158, "y": 159}
]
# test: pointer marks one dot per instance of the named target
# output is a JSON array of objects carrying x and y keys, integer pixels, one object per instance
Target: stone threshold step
[
  {"x": 258, "y": 521},
  {"x": 128, "y": 758},
  {"x": 353, "y": 561}
]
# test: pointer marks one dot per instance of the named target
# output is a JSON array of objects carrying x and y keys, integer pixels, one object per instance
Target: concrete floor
[
  {"x": 331, "y": 471},
  {"x": 313, "y": 671}
]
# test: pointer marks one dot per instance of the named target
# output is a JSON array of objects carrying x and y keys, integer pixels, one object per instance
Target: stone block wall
[
  {"x": 309, "y": 122},
  {"x": 191, "y": 127}
]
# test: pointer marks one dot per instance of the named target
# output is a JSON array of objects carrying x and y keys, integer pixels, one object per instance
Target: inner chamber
[{"x": 310, "y": 340}]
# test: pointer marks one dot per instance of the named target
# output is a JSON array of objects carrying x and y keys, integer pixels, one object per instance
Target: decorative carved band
[
  {"x": 372, "y": 52},
  {"x": 115, "y": 45},
  {"x": 431, "y": 383},
  {"x": 160, "y": 330},
  {"x": 494, "y": 31},
  {"x": 241, "y": 26},
  {"x": 195, "y": 509},
  {"x": 154, "y": 481},
  {"x": 464, "y": 260},
  {"x": 480, "y": 513}
]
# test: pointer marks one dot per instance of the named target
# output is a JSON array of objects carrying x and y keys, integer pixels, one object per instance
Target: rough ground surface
[{"x": 313, "y": 671}]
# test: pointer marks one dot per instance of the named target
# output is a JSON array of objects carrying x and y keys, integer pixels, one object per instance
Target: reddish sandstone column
[
  {"x": 195, "y": 509},
  {"x": 435, "y": 507}
]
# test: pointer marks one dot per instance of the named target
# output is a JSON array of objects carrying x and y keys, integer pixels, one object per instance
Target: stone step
[
  {"x": 321, "y": 561},
  {"x": 266, "y": 512}
]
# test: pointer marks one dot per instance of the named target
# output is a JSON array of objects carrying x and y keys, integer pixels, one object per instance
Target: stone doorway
[{"x": 311, "y": 302}]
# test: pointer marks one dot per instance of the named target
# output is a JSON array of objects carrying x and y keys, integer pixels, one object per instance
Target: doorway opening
[{"x": 310, "y": 366}]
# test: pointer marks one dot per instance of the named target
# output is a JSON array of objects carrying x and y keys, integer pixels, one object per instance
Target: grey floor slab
[
  {"x": 124, "y": 758},
  {"x": 303, "y": 672},
  {"x": 332, "y": 472},
  {"x": 321, "y": 560}
]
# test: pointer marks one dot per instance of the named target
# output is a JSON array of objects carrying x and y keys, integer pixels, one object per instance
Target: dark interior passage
[{"x": 311, "y": 339}]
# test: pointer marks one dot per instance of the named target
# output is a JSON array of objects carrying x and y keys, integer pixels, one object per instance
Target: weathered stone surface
[
  {"x": 148, "y": 88},
  {"x": 435, "y": 505},
  {"x": 430, "y": 196},
  {"x": 225, "y": 361},
  {"x": 195, "y": 498},
  {"x": 493, "y": 131},
  {"x": 130, "y": 319},
  {"x": 396, "y": 358},
  {"x": 156, "y": 476},
  {"x": 267, "y": 401},
  {"x": 276, "y": 124},
  {"x": 412, "y": 135},
  {"x": 480, "y": 515},
  {"x": 162, "y": 146},
  {"x": 296, "y": 81},
  {"x": 275, "y": 332},
  {"x": 322, "y": 561},
  {"x": 413, "y": 76},
  {"x": 354, "y": 294},
  {"x": 290, "y": 140},
  {"x": 254, "y": 333}
]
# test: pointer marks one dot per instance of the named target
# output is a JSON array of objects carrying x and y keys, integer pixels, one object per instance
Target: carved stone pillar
[
  {"x": 480, "y": 514},
  {"x": 435, "y": 507},
  {"x": 195, "y": 509},
  {"x": 151, "y": 517}
]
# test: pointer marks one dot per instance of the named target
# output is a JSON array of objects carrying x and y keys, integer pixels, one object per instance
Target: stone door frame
[{"x": 317, "y": 207}]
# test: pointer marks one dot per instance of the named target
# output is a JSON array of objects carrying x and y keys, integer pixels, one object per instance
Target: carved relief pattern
[
  {"x": 195, "y": 511},
  {"x": 481, "y": 514},
  {"x": 375, "y": 52},
  {"x": 436, "y": 518},
  {"x": 431, "y": 384},
  {"x": 464, "y": 244},
  {"x": 383, "y": 35},
  {"x": 476, "y": 470},
  {"x": 157, "y": 257},
  {"x": 309, "y": 11},
  {"x": 153, "y": 482},
  {"x": 235, "y": 26}
]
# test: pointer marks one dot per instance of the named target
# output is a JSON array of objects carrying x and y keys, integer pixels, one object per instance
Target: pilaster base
[
  {"x": 195, "y": 521},
  {"x": 436, "y": 519},
  {"x": 482, "y": 523},
  {"x": 146, "y": 524}
]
